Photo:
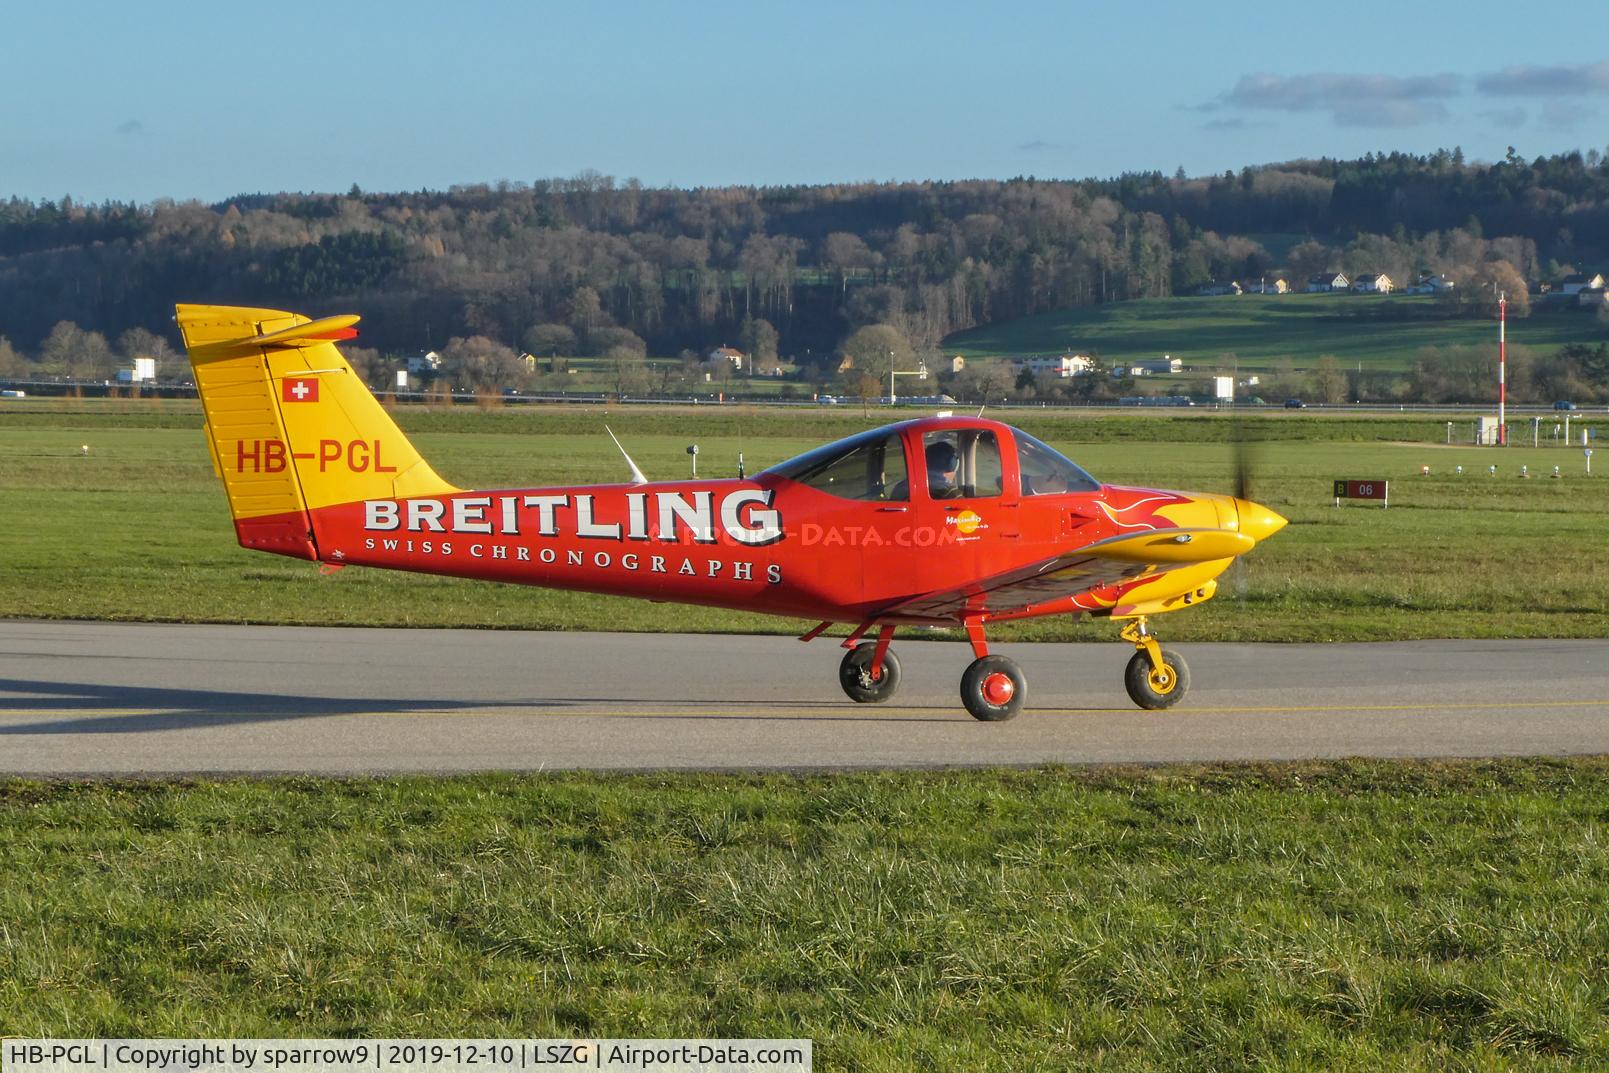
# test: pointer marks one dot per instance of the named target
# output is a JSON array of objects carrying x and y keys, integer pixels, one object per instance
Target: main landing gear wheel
[
  {"x": 855, "y": 674},
  {"x": 1157, "y": 687},
  {"x": 992, "y": 688}
]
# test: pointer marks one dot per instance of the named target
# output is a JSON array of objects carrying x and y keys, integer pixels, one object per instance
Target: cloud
[
  {"x": 1351, "y": 100},
  {"x": 1505, "y": 118},
  {"x": 1037, "y": 146},
  {"x": 1390, "y": 114},
  {"x": 1233, "y": 124},
  {"x": 1563, "y": 115},
  {"x": 1533, "y": 81},
  {"x": 131, "y": 126}
]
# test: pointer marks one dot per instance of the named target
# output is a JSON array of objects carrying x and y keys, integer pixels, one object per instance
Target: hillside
[
  {"x": 1382, "y": 334},
  {"x": 589, "y": 266}
]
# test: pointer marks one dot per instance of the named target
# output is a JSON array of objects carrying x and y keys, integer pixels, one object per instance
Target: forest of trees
[{"x": 592, "y": 266}]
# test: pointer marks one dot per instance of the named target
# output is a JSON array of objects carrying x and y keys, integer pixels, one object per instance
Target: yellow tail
[{"x": 291, "y": 428}]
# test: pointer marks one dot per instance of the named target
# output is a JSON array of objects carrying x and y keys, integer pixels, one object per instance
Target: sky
[{"x": 184, "y": 100}]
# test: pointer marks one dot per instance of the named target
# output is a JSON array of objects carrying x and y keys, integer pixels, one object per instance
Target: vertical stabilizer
[{"x": 291, "y": 427}]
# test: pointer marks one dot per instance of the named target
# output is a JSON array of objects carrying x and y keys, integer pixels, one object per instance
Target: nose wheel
[{"x": 1156, "y": 677}]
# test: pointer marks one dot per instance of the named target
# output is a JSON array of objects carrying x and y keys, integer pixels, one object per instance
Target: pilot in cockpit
[{"x": 942, "y": 463}]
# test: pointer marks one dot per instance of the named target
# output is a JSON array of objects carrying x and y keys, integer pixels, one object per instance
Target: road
[{"x": 136, "y": 699}]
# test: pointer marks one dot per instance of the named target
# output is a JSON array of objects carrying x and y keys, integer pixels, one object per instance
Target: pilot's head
[{"x": 941, "y": 466}]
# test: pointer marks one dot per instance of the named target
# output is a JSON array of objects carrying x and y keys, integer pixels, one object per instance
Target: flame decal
[{"x": 1140, "y": 513}]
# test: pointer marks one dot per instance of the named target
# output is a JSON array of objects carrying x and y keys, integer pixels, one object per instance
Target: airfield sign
[{"x": 1362, "y": 490}]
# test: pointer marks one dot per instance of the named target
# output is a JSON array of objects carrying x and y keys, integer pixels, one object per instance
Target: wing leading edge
[{"x": 1123, "y": 575}]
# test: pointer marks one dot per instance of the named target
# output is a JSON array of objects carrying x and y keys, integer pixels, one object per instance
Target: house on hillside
[
  {"x": 1369, "y": 283},
  {"x": 1156, "y": 366},
  {"x": 426, "y": 364},
  {"x": 728, "y": 354},
  {"x": 1266, "y": 286},
  {"x": 957, "y": 363},
  {"x": 1590, "y": 281},
  {"x": 1430, "y": 284},
  {"x": 1068, "y": 365},
  {"x": 1213, "y": 289},
  {"x": 1593, "y": 298},
  {"x": 1325, "y": 282}
]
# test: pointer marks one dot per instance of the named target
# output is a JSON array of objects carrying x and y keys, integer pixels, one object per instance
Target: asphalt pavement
[{"x": 138, "y": 699}]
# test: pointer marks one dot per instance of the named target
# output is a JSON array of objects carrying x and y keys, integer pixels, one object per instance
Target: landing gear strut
[
  {"x": 1156, "y": 677},
  {"x": 993, "y": 687},
  {"x": 869, "y": 672}
]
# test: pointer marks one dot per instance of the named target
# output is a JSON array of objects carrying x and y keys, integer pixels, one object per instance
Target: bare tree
[
  {"x": 71, "y": 351},
  {"x": 875, "y": 350},
  {"x": 480, "y": 364}
]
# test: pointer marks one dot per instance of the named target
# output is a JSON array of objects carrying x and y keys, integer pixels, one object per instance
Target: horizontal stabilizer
[{"x": 323, "y": 330}]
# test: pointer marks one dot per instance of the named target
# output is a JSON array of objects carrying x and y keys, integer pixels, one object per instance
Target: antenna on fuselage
[{"x": 636, "y": 474}]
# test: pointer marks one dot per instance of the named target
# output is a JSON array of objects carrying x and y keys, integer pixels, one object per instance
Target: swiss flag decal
[{"x": 299, "y": 389}]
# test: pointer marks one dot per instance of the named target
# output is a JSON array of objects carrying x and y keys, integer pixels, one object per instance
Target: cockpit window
[
  {"x": 1045, "y": 471},
  {"x": 868, "y": 466},
  {"x": 962, "y": 463}
]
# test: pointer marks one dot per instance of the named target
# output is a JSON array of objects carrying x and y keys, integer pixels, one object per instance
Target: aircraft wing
[{"x": 1091, "y": 578}]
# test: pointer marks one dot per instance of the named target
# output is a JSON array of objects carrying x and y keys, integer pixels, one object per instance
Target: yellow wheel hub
[{"x": 1162, "y": 679}]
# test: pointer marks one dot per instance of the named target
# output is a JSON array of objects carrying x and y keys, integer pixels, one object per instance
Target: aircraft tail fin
[{"x": 291, "y": 427}]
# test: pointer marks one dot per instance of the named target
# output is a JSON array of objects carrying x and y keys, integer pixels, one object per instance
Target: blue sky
[{"x": 182, "y": 100}]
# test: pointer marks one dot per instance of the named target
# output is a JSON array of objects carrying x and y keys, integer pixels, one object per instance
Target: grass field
[
  {"x": 138, "y": 528},
  {"x": 1354, "y": 916},
  {"x": 1327, "y": 916},
  {"x": 1380, "y": 333}
]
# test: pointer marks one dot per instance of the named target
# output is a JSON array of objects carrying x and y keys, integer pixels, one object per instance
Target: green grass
[
  {"x": 1382, "y": 333},
  {"x": 139, "y": 528},
  {"x": 1308, "y": 917}
]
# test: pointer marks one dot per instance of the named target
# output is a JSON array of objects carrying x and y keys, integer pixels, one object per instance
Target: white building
[
  {"x": 1325, "y": 282},
  {"x": 1591, "y": 281},
  {"x": 1213, "y": 289},
  {"x": 1156, "y": 366},
  {"x": 144, "y": 369},
  {"x": 426, "y": 364},
  {"x": 1267, "y": 286},
  {"x": 1369, "y": 283},
  {"x": 728, "y": 354},
  {"x": 1067, "y": 365},
  {"x": 1429, "y": 284}
]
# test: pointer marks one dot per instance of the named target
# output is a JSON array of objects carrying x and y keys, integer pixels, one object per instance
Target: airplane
[{"x": 940, "y": 521}]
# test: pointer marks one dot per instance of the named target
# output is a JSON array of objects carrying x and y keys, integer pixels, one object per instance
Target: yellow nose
[{"x": 1257, "y": 521}]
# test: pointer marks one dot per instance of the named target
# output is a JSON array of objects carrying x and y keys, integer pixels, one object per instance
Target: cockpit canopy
[{"x": 943, "y": 460}]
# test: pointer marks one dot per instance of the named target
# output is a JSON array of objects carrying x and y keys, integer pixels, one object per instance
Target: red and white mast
[{"x": 1502, "y": 367}]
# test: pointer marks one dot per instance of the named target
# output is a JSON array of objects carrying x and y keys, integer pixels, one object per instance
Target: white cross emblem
[{"x": 300, "y": 390}]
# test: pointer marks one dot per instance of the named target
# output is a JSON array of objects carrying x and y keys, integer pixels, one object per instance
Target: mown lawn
[{"x": 1404, "y": 916}]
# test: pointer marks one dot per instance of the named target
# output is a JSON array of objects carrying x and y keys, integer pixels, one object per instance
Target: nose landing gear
[{"x": 1156, "y": 677}]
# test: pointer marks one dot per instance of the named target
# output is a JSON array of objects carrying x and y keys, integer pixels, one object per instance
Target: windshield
[
  {"x": 870, "y": 465},
  {"x": 1046, "y": 471}
]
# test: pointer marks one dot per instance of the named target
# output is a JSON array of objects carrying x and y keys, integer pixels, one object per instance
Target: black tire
[
  {"x": 854, "y": 674},
  {"x": 1153, "y": 693},
  {"x": 981, "y": 688}
]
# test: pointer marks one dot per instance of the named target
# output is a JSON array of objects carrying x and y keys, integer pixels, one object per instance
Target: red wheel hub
[{"x": 998, "y": 688}]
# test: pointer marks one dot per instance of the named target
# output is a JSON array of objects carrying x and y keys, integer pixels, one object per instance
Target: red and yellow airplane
[{"x": 942, "y": 521}]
